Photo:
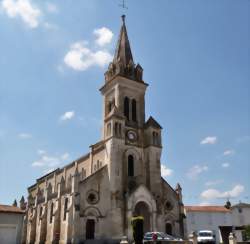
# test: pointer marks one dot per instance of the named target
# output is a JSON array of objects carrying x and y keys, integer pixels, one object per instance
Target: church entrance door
[
  {"x": 168, "y": 228},
  {"x": 90, "y": 229},
  {"x": 141, "y": 209}
]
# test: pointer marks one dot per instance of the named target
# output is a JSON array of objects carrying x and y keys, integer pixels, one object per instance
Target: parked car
[
  {"x": 206, "y": 236},
  {"x": 159, "y": 236}
]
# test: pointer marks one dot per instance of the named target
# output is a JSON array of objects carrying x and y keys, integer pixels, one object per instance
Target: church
[{"x": 96, "y": 195}]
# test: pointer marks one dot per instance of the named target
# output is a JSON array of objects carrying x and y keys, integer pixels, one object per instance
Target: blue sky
[{"x": 195, "y": 56}]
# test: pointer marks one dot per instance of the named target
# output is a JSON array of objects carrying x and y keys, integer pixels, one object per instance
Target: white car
[{"x": 206, "y": 236}]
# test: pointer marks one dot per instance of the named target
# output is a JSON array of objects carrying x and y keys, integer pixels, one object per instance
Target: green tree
[{"x": 246, "y": 233}]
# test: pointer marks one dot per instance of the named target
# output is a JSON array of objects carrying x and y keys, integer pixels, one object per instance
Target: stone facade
[{"x": 95, "y": 196}]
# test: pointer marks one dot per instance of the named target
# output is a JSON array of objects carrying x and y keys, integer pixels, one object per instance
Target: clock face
[{"x": 132, "y": 136}]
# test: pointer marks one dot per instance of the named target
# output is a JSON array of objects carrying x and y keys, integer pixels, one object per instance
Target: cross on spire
[{"x": 123, "y": 5}]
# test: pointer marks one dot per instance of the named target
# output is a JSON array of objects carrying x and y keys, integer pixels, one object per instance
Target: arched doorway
[
  {"x": 168, "y": 228},
  {"x": 141, "y": 209},
  {"x": 90, "y": 229}
]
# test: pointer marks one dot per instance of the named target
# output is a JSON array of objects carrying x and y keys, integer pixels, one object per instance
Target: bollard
[
  {"x": 124, "y": 240},
  {"x": 193, "y": 237},
  {"x": 232, "y": 238}
]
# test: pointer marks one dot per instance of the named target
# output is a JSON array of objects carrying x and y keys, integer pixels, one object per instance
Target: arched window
[
  {"x": 109, "y": 106},
  {"x": 134, "y": 110},
  {"x": 65, "y": 208},
  {"x": 155, "y": 138},
  {"x": 153, "y": 134},
  {"x": 120, "y": 129},
  {"x": 130, "y": 165},
  {"x": 126, "y": 107},
  {"x": 116, "y": 128},
  {"x": 51, "y": 212},
  {"x": 41, "y": 211},
  {"x": 83, "y": 173},
  {"x": 109, "y": 129}
]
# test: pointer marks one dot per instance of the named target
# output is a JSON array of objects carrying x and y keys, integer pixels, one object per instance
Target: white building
[
  {"x": 219, "y": 219},
  {"x": 207, "y": 218},
  {"x": 11, "y": 221},
  {"x": 240, "y": 218}
]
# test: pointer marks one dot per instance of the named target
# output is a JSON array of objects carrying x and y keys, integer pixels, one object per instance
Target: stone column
[
  {"x": 232, "y": 238},
  {"x": 75, "y": 207},
  {"x": 193, "y": 237}
]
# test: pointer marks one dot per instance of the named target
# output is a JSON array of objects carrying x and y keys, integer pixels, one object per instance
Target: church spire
[
  {"x": 123, "y": 51},
  {"x": 123, "y": 63}
]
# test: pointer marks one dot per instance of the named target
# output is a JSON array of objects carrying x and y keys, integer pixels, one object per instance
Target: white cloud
[
  {"x": 46, "y": 161},
  {"x": 50, "y": 162},
  {"x": 103, "y": 36},
  {"x": 209, "y": 140},
  {"x": 166, "y": 171},
  {"x": 228, "y": 152},
  {"x": 41, "y": 152},
  {"x": 52, "y": 8},
  {"x": 213, "y": 183},
  {"x": 50, "y": 26},
  {"x": 47, "y": 171},
  {"x": 23, "y": 9},
  {"x": 25, "y": 136},
  {"x": 225, "y": 165},
  {"x": 65, "y": 156},
  {"x": 214, "y": 194},
  {"x": 67, "y": 115},
  {"x": 80, "y": 58},
  {"x": 196, "y": 170}
]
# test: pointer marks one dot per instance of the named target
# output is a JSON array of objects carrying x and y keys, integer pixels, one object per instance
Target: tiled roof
[
  {"x": 241, "y": 205},
  {"x": 10, "y": 209},
  {"x": 206, "y": 209}
]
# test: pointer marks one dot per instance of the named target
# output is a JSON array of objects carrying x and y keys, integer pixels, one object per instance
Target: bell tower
[
  {"x": 123, "y": 92},
  {"x": 133, "y": 144}
]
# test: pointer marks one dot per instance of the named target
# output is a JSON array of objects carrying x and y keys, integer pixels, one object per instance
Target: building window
[
  {"x": 126, "y": 107},
  {"x": 168, "y": 206},
  {"x": 109, "y": 129},
  {"x": 134, "y": 110},
  {"x": 116, "y": 128},
  {"x": 130, "y": 165},
  {"x": 65, "y": 208},
  {"x": 109, "y": 107},
  {"x": 92, "y": 197},
  {"x": 51, "y": 212},
  {"x": 41, "y": 212},
  {"x": 120, "y": 129},
  {"x": 155, "y": 138}
]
